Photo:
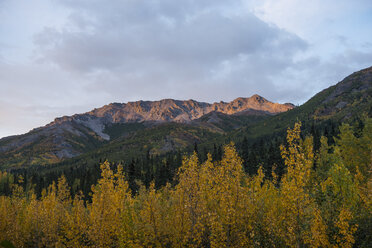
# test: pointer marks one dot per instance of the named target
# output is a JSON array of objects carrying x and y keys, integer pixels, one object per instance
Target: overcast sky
[{"x": 60, "y": 57}]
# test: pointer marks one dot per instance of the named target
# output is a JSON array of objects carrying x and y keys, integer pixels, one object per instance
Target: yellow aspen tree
[
  {"x": 130, "y": 234},
  {"x": 209, "y": 202},
  {"x": 75, "y": 228},
  {"x": 299, "y": 208},
  {"x": 32, "y": 222},
  {"x": 51, "y": 214},
  {"x": 109, "y": 201},
  {"x": 153, "y": 217},
  {"x": 318, "y": 230},
  {"x": 345, "y": 238},
  {"x": 265, "y": 211},
  {"x": 18, "y": 230},
  {"x": 340, "y": 196},
  {"x": 187, "y": 202},
  {"x": 48, "y": 218},
  {"x": 231, "y": 224},
  {"x": 7, "y": 214}
]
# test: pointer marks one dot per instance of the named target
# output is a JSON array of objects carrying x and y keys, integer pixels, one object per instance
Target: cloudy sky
[{"x": 60, "y": 57}]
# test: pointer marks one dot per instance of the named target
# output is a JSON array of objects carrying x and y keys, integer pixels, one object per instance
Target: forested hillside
[{"x": 322, "y": 199}]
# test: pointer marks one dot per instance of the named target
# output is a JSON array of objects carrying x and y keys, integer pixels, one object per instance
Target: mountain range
[
  {"x": 123, "y": 130},
  {"x": 69, "y": 136}
]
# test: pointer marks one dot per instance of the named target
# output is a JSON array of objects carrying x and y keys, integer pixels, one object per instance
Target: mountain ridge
[
  {"x": 70, "y": 136},
  {"x": 166, "y": 110}
]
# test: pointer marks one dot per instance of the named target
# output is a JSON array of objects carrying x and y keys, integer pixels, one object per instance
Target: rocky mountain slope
[
  {"x": 69, "y": 136},
  {"x": 348, "y": 100},
  {"x": 169, "y": 110}
]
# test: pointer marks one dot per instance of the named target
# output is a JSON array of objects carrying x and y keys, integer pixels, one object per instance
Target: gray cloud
[
  {"x": 197, "y": 49},
  {"x": 87, "y": 53}
]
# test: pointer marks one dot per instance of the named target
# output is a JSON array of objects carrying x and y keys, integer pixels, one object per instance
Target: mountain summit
[
  {"x": 70, "y": 136},
  {"x": 168, "y": 110}
]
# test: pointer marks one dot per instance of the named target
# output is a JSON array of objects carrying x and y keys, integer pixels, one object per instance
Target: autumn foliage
[{"x": 323, "y": 200}]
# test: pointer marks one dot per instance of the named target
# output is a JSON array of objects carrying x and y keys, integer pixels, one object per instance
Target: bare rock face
[
  {"x": 254, "y": 102},
  {"x": 168, "y": 110}
]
